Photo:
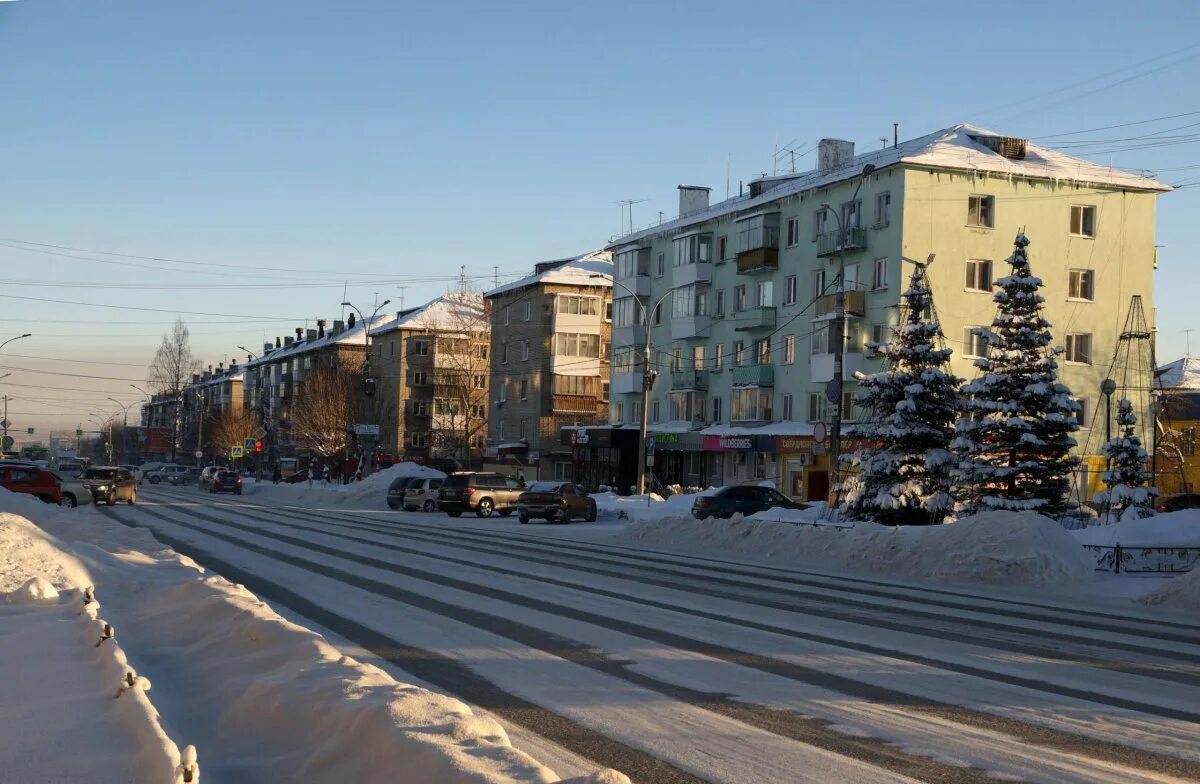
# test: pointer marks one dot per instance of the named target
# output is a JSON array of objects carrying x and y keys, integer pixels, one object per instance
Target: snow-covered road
[{"x": 678, "y": 668}]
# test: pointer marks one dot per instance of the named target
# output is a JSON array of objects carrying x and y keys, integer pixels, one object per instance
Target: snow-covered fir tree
[
  {"x": 1127, "y": 481},
  {"x": 903, "y": 469},
  {"x": 1014, "y": 433}
]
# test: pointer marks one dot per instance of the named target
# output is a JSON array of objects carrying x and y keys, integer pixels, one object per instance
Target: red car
[{"x": 34, "y": 481}]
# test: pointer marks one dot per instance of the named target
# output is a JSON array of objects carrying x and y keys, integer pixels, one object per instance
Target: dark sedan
[
  {"x": 225, "y": 481},
  {"x": 1173, "y": 503},
  {"x": 746, "y": 499},
  {"x": 110, "y": 484},
  {"x": 557, "y": 502}
]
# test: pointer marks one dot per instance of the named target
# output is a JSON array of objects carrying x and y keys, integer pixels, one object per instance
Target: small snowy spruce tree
[
  {"x": 1014, "y": 433},
  {"x": 1127, "y": 481},
  {"x": 903, "y": 468}
]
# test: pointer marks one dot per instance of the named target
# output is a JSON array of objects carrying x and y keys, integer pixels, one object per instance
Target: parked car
[
  {"x": 165, "y": 473},
  {"x": 225, "y": 481},
  {"x": 297, "y": 477},
  {"x": 189, "y": 476},
  {"x": 134, "y": 470},
  {"x": 110, "y": 484},
  {"x": 555, "y": 501},
  {"x": 208, "y": 475},
  {"x": 43, "y": 484},
  {"x": 1173, "y": 503},
  {"x": 396, "y": 490},
  {"x": 480, "y": 492},
  {"x": 421, "y": 493},
  {"x": 70, "y": 468},
  {"x": 747, "y": 499}
]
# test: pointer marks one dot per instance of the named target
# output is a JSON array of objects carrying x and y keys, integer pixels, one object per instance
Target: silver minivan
[
  {"x": 421, "y": 494},
  {"x": 166, "y": 473}
]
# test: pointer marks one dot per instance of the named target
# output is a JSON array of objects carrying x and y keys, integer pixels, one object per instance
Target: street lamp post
[
  {"x": 5, "y": 420},
  {"x": 368, "y": 383},
  {"x": 834, "y": 392},
  {"x": 647, "y": 379},
  {"x": 1107, "y": 387},
  {"x": 124, "y": 426}
]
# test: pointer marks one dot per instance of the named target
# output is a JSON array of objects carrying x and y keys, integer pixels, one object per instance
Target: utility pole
[{"x": 5, "y": 421}]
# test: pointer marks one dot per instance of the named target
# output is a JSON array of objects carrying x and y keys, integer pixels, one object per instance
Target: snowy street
[{"x": 685, "y": 668}]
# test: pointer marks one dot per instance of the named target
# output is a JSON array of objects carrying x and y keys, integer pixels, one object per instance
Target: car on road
[
  {"x": 188, "y": 476},
  {"x": 225, "y": 481},
  {"x": 555, "y": 501},
  {"x": 165, "y": 473},
  {"x": 481, "y": 492},
  {"x": 137, "y": 472},
  {"x": 28, "y": 477},
  {"x": 110, "y": 484},
  {"x": 208, "y": 475},
  {"x": 396, "y": 490},
  {"x": 70, "y": 468},
  {"x": 421, "y": 493},
  {"x": 746, "y": 499},
  {"x": 1173, "y": 503}
]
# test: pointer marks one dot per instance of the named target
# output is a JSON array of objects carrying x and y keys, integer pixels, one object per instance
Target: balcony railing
[
  {"x": 689, "y": 379},
  {"x": 830, "y": 242},
  {"x": 856, "y": 304},
  {"x": 576, "y": 404},
  {"x": 758, "y": 250},
  {"x": 756, "y": 318},
  {"x": 754, "y": 376}
]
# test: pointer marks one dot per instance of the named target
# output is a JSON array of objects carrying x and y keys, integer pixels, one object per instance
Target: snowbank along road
[{"x": 681, "y": 668}]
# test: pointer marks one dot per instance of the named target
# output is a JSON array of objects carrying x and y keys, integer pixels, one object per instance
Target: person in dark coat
[{"x": 276, "y": 474}]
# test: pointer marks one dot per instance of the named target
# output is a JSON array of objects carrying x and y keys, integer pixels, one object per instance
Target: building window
[
  {"x": 633, "y": 262},
  {"x": 789, "y": 349},
  {"x": 789, "y": 290},
  {"x": 661, "y": 268},
  {"x": 698, "y": 357},
  {"x": 676, "y": 360},
  {"x": 764, "y": 351},
  {"x": 420, "y": 408},
  {"x": 793, "y": 231},
  {"x": 521, "y": 434},
  {"x": 1081, "y": 412},
  {"x": 604, "y": 390},
  {"x": 627, "y": 312},
  {"x": 739, "y": 353},
  {"x": 749, "y": 404},
  {"x": 722, "y": 248},
  {"x": 818, "y": 283},
  {"x": 618, "y": 412},
  {"x": 879, "y": 274},
  {"x": 716, "y": 410},
  {"x": 974, "y": 343},
  {"x": 480, "y": 381},
  {"x": 765, "y": 294},
  {"x": 524, "y": 350},
  {"x": 852, "y": 214},
  {"x": 479, "y": 411},
  {"x": 820, "y": 222},
  {"x": 637, "y": 411},
  {"x": 883, "y": 209},
  {"x": 573, "y": 305},
  {"x": 1083, "y": 221},
  {"x": 419, "y": 440},
  {"x": 1187, "y": 441},
  {"x": 693, "y": 249},
  {"x": 787, "y": 408},
  {"x": 658, "y": 314},
  {"x": 849, "y": 410},
  {"x": 481, "y": 351},
  {"x": 421, "y": 348},
  {"x": 820, "y": 339},
  {"x": 1079, "y": 348},
  {"x": 739, "y": 298},
  {"x": 979, "y": 275},
  {"x": 686, "y": 406},
  {"x": 719, "y": 309},
  {"x": 571, "y": 344},
  {"x": 506, "y": 314},
  {"x": 878, "y": 338},
  {"x": 1081, "y": 284},
  {"x": 690, "y": 300},
  {"x": 816, "y": 406},
  {"x": 654, "y": 412},
  {"x": 718, "y": 357},
  {"x": 420, "y": 378},
  {"x": 981, "y": 211},
  {"x": 503, "y": 398},
  {"x": 503, "y": 351}
]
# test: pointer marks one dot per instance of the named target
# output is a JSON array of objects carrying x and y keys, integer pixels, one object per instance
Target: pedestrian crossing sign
[{"x": 237, "y": 451}]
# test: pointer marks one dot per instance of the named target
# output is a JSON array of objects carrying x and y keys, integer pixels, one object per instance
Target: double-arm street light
[
  {"x": 18, "y": 337},
  {"x": 368, "y": 383},
  {"x": 647, "y": 377},
  {"x": 124, "y": 425},
  {"x": 834, "y": 392},
  {"x": 5, "y": 421}
]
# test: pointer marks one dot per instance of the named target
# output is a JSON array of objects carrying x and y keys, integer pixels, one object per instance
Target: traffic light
[{"x": 258, "y": 446}]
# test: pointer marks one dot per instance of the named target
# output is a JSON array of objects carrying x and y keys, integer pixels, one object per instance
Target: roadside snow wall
[
  {"x": 1182, "y": 593},
  {"x": 1004, "y": 548}
]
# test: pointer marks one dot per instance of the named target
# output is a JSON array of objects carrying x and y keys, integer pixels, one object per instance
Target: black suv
[
  {"x": 478, "y": 491},
  {"x": 110, "y": 484},
  {"x": 746, "y": 499}
]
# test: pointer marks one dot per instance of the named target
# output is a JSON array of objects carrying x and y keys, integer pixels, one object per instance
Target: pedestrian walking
[{"x": 276, "y": 474}]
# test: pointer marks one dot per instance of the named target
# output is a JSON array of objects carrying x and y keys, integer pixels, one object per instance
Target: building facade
[
  {"x": 549, "y": 367},
  {"x": 740, "y": 296},
  {"x": 1176, "y": 464}
]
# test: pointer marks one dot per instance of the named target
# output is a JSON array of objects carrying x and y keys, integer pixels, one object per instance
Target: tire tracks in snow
[{"x": 769, "y": 719}]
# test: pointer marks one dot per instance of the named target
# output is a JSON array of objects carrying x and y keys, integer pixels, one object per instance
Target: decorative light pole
[
  {"x": 1107, "y": 387},
  {"x": 648, "y": 377},
  {"x": 834, "y": 390}
]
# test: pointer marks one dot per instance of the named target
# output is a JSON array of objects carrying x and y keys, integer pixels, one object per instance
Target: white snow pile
[
  {"x": 1181, "y": 593},
  {"x": 261, "y": 697},
  {"x": 1169, "y": 529},
  {"x": 371, "y": 492},
  {"x": 610, "y": 506},
  {"x": 999, "y": 547}
]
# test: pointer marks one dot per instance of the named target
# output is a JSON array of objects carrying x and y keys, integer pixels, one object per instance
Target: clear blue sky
[{"x": 374, "y": 141}]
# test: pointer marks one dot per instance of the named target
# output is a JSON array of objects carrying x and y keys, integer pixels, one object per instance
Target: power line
[{"x": 262, "y": 319}]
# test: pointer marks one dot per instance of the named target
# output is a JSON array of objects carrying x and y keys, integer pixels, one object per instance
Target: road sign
[
  {"x": 260, "y": 433},
  {"x": 366, "y": 430},
  {"x": 649, "y": 447},
  {"x": 29, "y": 431},
  {"x": 249, "y": 444},
  {"x": 5, "y": 422},
  {"x": 8, "y": 443},
  {"x": 236, "y": 452},
  {"x": 820, "y": 432},
  {"x": 198, "y": 454},
  {"x": 833, "y": 390},
  {"x": 258, "y": 446}
]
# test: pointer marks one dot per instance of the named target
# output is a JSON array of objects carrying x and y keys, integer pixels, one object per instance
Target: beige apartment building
[{"x": 549, "y": 369}]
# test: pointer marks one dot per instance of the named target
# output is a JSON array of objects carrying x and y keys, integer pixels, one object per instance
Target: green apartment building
[{"x": 746, "y": 288}]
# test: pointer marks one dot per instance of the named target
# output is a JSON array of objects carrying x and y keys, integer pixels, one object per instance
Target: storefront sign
[
  {"x": 662, "y": 439},
  {"x": 739, "y": 444},
  {"x": 586, "y": 437},
  {"x": 792, "y": 444}
]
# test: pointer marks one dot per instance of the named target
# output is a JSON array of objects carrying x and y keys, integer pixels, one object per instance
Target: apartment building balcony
[
  {"x": 687, "y": 274},
  {"x": 820, "y": 366},
  {"x": 632, "y": 335},
  {"x": 754, "y": 376},
  {"x": 755, "y": 318},
  {"x": 830, "y": 242},
  {"x": 758, "y": 260},
  {"x": 625, "y": 383},
  {"x": 689, "y": 379},
  {"x": 576, "y": 404},
  {"x": 688, "y": 327},
  {"x": 639, "y": 285},
  {"x": 856, "y": 304}
]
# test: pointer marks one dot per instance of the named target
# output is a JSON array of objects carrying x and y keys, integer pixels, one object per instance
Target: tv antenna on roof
[{"x": 627, "y": 204}]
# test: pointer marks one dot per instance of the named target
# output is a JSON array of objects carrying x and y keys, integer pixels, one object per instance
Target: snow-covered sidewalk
[{"x": 262, "y": 698}]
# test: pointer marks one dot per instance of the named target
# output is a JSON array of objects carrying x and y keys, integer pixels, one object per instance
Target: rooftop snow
[
  {"x": 950, "y": 148},
  {"x": 458, "y": 310},
  {"x": 576, "y": 272},
  {"x": 1180, "y": 374},
  {"x": 353, "y": 335}
]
